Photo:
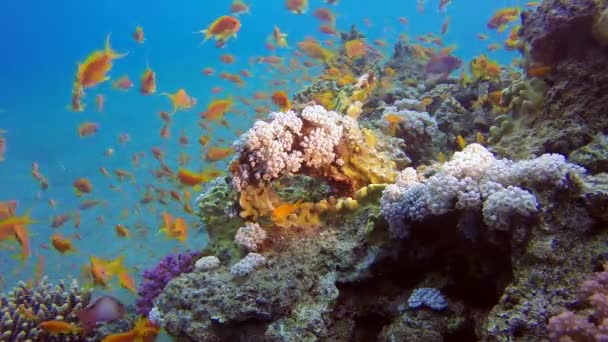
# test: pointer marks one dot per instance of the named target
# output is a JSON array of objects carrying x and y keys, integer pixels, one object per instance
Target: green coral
[
  {"x": 525, "y": 96},
  {"x": 503, "y": 125},
  {"x": 301, "y": 188},
  {"x": 218, "y": 211}
]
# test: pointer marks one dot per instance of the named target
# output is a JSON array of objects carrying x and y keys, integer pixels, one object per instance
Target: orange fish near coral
[
  {"x": 126, "y": 281},
  {"x": 217, "y": 109},
  {"x": 281, "y": 99},
  {"x": 95, "y": 68},
  {"x": 191, "y": 178},
  {"x": 222, "y": 29},
  {"x": 174, "y": 228},
  {"x": 218, "y": 153},
  {"x": 148, "y": 82},
  {"x": 181, "y": 100},
  {"x": 87, "y": 129},
  {"x": 143, "y": 331},
  {"x": 138, "y": 35},
  {"x": 59, "y": 327},
  {"x": 355, "y": 48},
  {"x": 502, "y": 17}
]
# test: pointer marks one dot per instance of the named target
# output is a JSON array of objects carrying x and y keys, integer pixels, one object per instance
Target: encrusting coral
[{"x": 24, "y": 308}]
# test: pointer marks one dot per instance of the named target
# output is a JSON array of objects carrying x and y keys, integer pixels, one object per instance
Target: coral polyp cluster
[
  {"x": 24, "y": 308},
  {"x": 315, "y": 142}
]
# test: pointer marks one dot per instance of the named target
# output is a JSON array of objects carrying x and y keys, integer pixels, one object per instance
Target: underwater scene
[{"x": 304, "y": 170}]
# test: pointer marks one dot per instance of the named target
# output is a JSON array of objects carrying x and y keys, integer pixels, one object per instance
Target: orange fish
[
  {"x": 76, "y": 104},
  {"x": 218, "y": 153},
  {"x": 217, "y": 109},
  {"x": 297, "y": 6},
  {"x": 502, "y": 17},
  {"x": 95, "y": 68},
  {"x": 181, "y": 100},
  {"x": 203, "y": 140},
  {"x": 174, "y": 228},
  {"x": 445, "y": 26},
  {"x": 62, "y": 244},
  {"x": 208, "y": 71},
  {"x": 328, "y": 29},
  {"x": 165, "y": 116},
  {"x": 83, "y": 186},
  {"x": 355, "y": 48},
  {"x": 539, "y": 71},
  {"x": 59, "y": 220},
  {"x": 164, "y": 132},
  {"x": 324, "y": 14},
  {"x": 123, "y": 83},
  {"x": 138, "y": 35},
  {"x": 222, "y": 29},
  {"x": 59, "y": 327},
  {"x": 87, "y": 129},
  {"x": 103, "y": 271},
  {"x": 2, "y": 145},
  {"x": 239, "y": 7},
  {"x": 313, "y": 49},
  {"x": 122, "y": 230},
  {"x": 281, "y": 99},
  {"x": 279, "y": 37},
  {"x": 148, "y": 82},
  {"x": 126, "y": 281},
  {"x": 44, "y": 183},
  {"x": 227, "y": 58},
  {"x": 191, "y": 178},
  {"x": 143, "y": 331},
  {"x": 280, "y": 213},
  {"x": 14, "y": 226},
  {"x": 235, "y": 78},
  {"x": 99, "y": 102}
]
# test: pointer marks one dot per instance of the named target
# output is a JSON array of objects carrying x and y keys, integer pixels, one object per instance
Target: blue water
[{"x": 43, "y": 40}]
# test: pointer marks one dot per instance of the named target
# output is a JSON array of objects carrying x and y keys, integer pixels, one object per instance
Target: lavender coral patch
[
  {"x": 427, "y": 296},
  {"x": 155, "y": 279}
]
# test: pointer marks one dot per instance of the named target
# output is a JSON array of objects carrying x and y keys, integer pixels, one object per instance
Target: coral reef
[
  {"x": 317, "y": 237},
  {"x": 155, "y": 279},
  {"x": 24, "y": 308}
]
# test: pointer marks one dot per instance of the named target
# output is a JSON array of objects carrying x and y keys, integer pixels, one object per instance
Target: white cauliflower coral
[
  {"x": 288, "y": 141},
  {"x": 473, "y": 180}
]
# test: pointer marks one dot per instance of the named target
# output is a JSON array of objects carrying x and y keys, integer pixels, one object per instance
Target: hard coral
[
  {"x": 24, "y": 308},
  {"x": 155, "y": 279}
]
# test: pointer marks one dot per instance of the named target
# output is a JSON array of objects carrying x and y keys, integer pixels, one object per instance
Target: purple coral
[
  {"x": 587, "y": 325},
  {"x": 155, "y": 279}
]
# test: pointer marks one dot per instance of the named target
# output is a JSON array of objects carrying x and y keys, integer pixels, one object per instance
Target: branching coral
[
  {"x": 24, "y": 308},
  {"x": 156, "y": 278},
  {"x": 473, "y": 180}
]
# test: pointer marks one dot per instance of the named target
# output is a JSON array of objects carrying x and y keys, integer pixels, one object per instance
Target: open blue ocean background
[{"x": 42, "y": 41}]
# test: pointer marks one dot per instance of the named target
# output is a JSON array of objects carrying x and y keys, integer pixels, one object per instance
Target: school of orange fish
[{"x": 308, "y": 54}]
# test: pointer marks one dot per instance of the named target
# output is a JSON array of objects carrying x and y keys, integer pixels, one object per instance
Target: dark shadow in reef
[{"x": 475, "y": 272}]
